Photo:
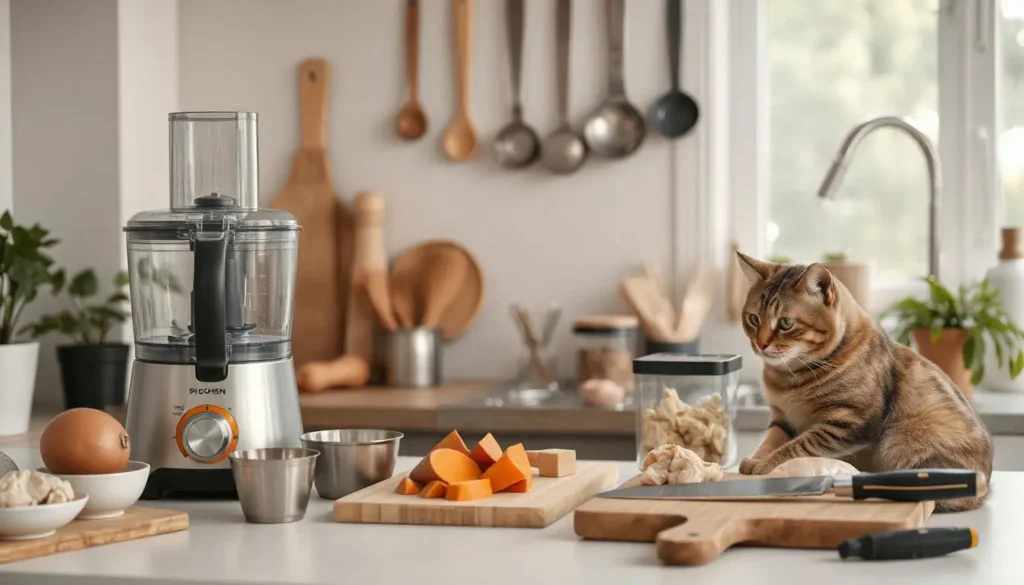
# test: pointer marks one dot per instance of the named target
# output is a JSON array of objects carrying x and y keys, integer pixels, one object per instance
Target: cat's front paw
[{"x": 749, "y": 466}]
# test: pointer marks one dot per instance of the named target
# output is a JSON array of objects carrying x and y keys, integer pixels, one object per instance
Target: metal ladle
[
  {"x": 675, "y": 113},
  {"x": 564, "y": 151},
  {"x": 517, "y": 144},
  {"x": 616, "y": 128}
]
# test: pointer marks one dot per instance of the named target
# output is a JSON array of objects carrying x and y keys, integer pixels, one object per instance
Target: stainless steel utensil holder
[{"x": 414, "y": 358}]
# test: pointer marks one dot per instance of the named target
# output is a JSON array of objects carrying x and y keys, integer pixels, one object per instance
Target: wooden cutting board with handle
[
  {"x": 136, "y": 522},
  {"x": 550, "y": 499},
  {"x": 696, "y": 532},
  {"x": 325, "y": 242}
]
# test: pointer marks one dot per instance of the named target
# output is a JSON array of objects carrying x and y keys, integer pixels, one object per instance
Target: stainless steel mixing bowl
[
  {"x": 352, "y": 459},
  {"x": 273, "y": 484}
]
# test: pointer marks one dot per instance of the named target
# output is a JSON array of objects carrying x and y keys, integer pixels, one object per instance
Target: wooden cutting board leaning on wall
[{"x": 325, "y": 241}]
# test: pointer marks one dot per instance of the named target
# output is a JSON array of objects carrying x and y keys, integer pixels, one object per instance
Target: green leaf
[
  {"x": 57, "y": 281},
  {"x": 6, "y": 221},
  {"x": 121, "y": 279},
  {"x": 1017, "y": 365},
  {"x": 935, "y": 332},
  {"x": 117, "y": 298},
  {"x": 968, "y": 351},
  {"x": 998, "y": 345},
  {"x": 84, "y": 284}
]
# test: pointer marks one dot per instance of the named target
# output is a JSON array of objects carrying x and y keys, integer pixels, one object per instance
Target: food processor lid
[
  {"x": 222, "y": 215},
  {"x": 214, "y": 178}
]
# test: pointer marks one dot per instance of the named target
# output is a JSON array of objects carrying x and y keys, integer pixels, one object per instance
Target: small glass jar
[
  {"x": 687, "y": 400},
  {"x": 605, "y": 348}
]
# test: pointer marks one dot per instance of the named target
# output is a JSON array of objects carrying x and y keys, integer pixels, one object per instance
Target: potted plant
[
  {"x": 855, "y": 276},
  {"x": 25, "y": 268},
  {"x": 91, "y": 368},
  {"x": 953, "y": 330}
]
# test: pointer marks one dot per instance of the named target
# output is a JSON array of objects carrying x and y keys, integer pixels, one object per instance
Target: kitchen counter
[{"x": 221, "y": 548}]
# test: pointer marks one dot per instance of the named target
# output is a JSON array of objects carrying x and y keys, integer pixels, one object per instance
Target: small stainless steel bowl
[
  {"x": 273, "y": 484},
  {"x": 352, "y": 459}
]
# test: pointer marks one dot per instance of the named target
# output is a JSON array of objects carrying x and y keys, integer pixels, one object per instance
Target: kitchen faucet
[{"x": 835, "y": 174}]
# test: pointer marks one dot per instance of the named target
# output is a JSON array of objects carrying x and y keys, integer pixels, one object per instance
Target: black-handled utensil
[
  {"x": 912, "y": 485},
  {"x": 909, "y": 544}
]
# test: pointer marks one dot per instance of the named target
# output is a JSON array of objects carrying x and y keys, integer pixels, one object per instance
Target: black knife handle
[
  {"x": 909, "y": 544},
  {"x": 918, "y": 485}
]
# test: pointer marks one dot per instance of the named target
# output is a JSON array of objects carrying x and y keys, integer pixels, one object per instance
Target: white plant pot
[{"x": 17, "y": 384}]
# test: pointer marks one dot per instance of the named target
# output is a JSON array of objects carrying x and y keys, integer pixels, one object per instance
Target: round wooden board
[{"x": 466, "y": 305}]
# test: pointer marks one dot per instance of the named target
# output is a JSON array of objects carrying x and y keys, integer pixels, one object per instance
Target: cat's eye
[
  {"x": 753, "y": 320},
  {"x": 785, "y": 323}
]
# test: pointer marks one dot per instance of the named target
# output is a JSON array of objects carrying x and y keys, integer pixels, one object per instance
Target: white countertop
[{"x": 220, "y": 547}]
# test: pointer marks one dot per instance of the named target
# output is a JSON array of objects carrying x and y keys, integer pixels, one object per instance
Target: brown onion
[{"x": 84, "y": 441}]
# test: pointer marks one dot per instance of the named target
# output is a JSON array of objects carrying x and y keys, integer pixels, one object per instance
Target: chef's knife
[{"x": 911, "y": 485}]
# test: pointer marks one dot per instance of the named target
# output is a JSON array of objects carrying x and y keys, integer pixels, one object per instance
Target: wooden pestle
[
  {"x": 443, "y": 273},
  {"x": 369, "y": 258},
  {"x": 347, "y": 371}
]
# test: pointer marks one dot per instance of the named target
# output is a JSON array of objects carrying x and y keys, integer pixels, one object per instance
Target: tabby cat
[{"x": 838, "y": 387}]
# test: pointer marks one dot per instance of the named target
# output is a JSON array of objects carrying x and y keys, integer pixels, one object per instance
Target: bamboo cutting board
[
  {"x": 325, "y": 241},
  {"x": 136, "y": 523},
  {"x": 549, "y": 500},
  {"x": 696, "y": 532}
]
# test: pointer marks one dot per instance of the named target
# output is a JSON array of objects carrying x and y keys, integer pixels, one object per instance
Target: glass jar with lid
[
  {"x": 687, "y": 400},
  {"x": 605, "y": 348}
]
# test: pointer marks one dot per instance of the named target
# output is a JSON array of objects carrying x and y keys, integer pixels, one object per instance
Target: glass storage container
[
  {"x": 687, "y": 400},
  {"x": 605, "y": 347}
]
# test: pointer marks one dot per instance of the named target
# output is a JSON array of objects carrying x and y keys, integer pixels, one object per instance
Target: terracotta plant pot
[
  {"x": 948, "y": 354},
  {"x": 856, "y": 277}
]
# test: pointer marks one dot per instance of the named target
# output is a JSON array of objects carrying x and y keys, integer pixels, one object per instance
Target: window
[
  {"x": 803, "y": 73},
  {"x": 1011, "y": 136},
  {"x": 830, "y": 65}
]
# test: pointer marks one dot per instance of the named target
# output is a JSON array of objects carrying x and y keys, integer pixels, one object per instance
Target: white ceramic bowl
[
  {"x": 27, "y": 522},
  {"x": 109, "y": 493}
]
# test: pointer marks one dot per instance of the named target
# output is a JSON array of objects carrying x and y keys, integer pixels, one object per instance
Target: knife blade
[{"x": 910, "y": 485}]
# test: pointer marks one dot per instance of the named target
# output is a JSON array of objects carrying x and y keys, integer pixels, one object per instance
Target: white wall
[
  {"x": 92, "y": 83},
  {"x": 538, "y": 237},
  {"x": 65, "y": 110},
  {"x": 6, "y": 170},
  {"x": 147, "y": 91}
]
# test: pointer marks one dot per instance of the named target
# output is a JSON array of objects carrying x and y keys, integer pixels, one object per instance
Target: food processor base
[{"x": 185, "y": 429}]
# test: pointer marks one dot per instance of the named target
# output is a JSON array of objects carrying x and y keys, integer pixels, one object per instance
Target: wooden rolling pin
[
  {"x": 347, "y": 371},
  {"x": 369, "y": 259}
]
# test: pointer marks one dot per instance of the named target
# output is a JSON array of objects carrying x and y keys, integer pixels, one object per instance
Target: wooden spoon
[
  {"x": 403, "y": 296},
  {"x": 460, "y": 139},
  {"x": 696, "y": 305},
  {"x": 412, "y": 121},
  {"x": 443, "y": 274},
  {"x": 376, "y": 284}
]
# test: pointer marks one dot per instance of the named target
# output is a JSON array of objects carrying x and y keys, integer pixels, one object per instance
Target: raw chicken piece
[
  {"x": 675, "y": 464},
  {"x": 31, "y": 488},
  {"x": 812, "y": 466}
]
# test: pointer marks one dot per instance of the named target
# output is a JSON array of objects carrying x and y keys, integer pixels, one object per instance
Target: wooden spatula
[
  {"x": 444, "y": 273},
  {"x": 379, "y": 292},
  {"x": 696, "y": 304},
  {"x": 325, "y": 240}
]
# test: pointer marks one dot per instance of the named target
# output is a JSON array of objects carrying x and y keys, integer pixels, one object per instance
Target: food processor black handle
[{"x": 210, "y": 321}]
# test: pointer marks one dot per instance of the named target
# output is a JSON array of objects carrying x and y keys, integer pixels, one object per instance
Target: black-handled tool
[
  {"x": 912, "y": 485},
  {"x": 909, "y": 544}
]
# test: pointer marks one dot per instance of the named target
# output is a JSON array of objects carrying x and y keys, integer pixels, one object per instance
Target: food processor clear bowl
[{"x": 212, "y": 276}]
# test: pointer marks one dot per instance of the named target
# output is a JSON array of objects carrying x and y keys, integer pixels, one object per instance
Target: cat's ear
[
  {"x": 818, "y": 281},
  {"x": 756, "y": 270}
]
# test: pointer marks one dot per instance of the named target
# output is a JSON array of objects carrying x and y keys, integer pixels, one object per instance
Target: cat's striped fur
[{"x": 838, "y": 387}]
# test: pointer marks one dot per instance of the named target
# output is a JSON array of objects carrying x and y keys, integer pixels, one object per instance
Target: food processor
[{"x": 212, "y": 283}]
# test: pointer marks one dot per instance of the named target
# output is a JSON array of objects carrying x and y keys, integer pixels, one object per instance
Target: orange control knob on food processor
[{"x": 206, "y": 433}]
